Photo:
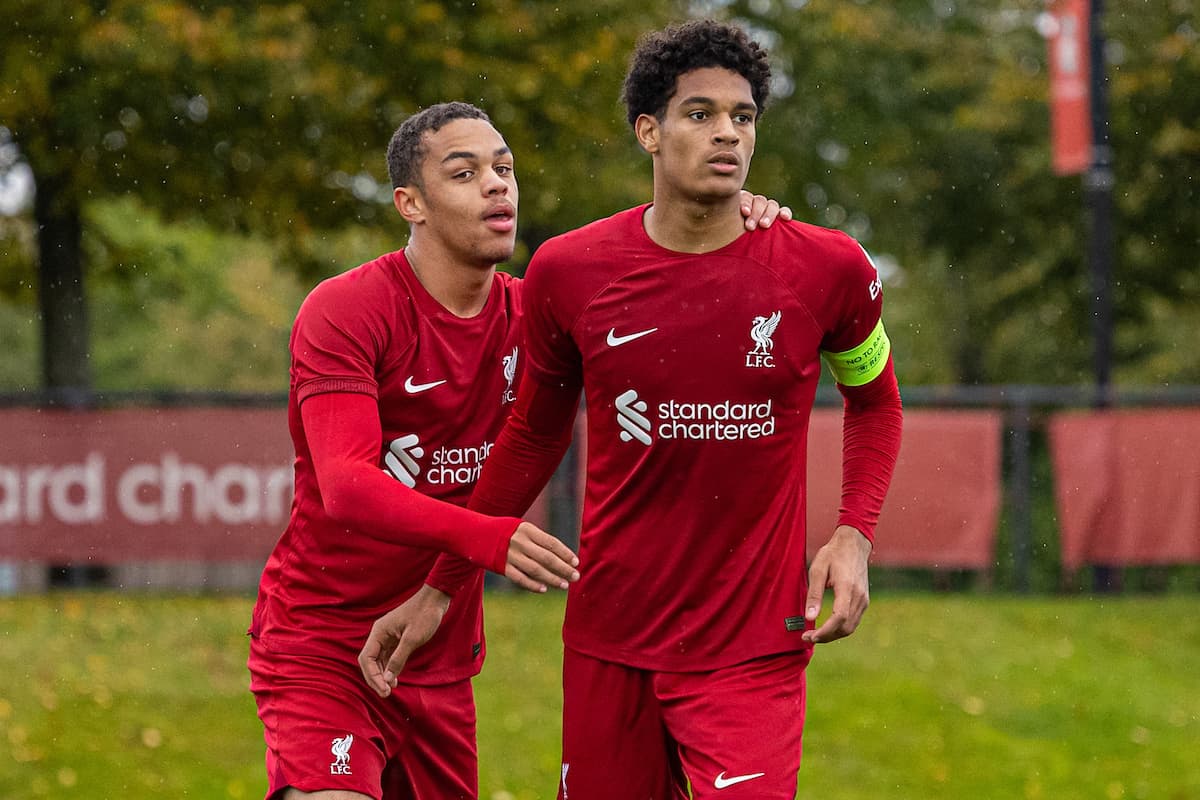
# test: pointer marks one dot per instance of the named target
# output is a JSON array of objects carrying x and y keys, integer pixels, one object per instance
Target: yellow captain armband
[{"x": 861, "y": 364}]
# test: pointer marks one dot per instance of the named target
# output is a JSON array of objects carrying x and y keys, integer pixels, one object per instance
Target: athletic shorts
[
  {"x": 326, "y": 730},
  {"x": 732, "y": 733}
]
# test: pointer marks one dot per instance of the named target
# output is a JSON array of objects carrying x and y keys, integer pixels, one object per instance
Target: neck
[
  {"x": 691, "y": 225},
  {"x": 460, "y": 287}
]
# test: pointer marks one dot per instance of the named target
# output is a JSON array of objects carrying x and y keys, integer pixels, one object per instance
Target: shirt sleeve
[
  {"x": 335, "y": 342},
  {"x": 858, "y": 353},
  {"x": 551, "y": 303},
  {"x": 854, "y": 346},
  {"x": 871, "y": 429},
  {"x": 343, "y": 432}
]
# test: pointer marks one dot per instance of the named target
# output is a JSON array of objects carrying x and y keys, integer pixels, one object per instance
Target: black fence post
[{"x": 1020, "y": 492}]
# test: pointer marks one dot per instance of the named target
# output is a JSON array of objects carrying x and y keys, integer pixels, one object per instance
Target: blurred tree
[
  {"x": 274, "y": 118},
  {"x": 921, "y": 127}
]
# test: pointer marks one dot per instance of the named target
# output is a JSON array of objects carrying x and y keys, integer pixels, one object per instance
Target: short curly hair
[
  {"x": 405, "y": 153},
  {"x": 661, "y": 57}
]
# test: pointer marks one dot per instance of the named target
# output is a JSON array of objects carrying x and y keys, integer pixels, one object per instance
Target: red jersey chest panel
[
  {"x": 699, "y": 373},
  {"x": 444, "y": 396},
  {"x": 715, "y": 360},
  {"x": 443, "y": 385}
]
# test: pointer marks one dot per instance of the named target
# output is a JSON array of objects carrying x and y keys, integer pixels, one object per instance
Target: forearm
[
  {"x": 344, "y": 436},
  {"x": 871, "y": 431}
]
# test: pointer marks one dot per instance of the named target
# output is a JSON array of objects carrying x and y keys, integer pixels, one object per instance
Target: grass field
[{"x": 958, "y": 696}]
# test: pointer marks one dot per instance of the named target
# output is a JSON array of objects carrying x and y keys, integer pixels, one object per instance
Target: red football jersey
[
  {"x": 699, "y": 373},
  {"x": 443, "y": 386}
]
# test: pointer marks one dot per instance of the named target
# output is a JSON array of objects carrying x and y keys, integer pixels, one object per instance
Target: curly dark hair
[
  {"x": 405, "y": 153},
  {"x": 661, "y": 57}
]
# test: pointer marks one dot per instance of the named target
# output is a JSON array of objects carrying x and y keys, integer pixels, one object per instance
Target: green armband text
[{"x": 861, "y": 364}]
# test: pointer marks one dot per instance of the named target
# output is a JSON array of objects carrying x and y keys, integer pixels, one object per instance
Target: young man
[
  {"x": 403, "y": 371},
  {"x": 698, "y": 347}
]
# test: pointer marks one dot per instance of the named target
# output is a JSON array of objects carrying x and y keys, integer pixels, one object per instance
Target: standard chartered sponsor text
[
  {"x": 722, "y": 421},
  {"x": 460, "y": 465}
]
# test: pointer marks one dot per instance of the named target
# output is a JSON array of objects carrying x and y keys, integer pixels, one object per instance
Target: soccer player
[
  {"x": 403, "y": 371},
  {"x": 697, "y": 346}
]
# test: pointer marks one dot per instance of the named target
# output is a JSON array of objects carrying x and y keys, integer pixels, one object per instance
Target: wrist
[
  {"x": 432, "y": 596},
  {"x": 855, "y": 538}
]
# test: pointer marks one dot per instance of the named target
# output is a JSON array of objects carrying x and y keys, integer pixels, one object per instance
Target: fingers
[
  {"x": 818, "y": 579},
  {"x": 370, "y": 661},
  {"x": 395, "y": 665},
  {"x": 756, "y": 210},
  {"x": 537, "y": 560},
  {"x": 849, "y": 605},
  {"x": 761, "y": 211}
]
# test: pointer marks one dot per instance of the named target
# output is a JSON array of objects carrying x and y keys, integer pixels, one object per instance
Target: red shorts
[
  {"x": 326, "y": 730},
  {"x": 731, "y": 733}
]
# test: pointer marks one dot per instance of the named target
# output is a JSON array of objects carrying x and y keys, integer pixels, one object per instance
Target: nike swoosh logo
[
  {"x": 617, "y": 341},
  {"x": 417, "y": 388},
  {"x": 721, "y": 781}
]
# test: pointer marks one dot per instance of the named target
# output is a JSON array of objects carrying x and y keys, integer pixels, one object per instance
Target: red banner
[
  {"x": 143, "y": 484},
  {"x": 1067, "y": 32},
  {"x": 139, "y": 484},
  {"x": 1128, "y": 486},
  {"x": 943, "y": 507}
]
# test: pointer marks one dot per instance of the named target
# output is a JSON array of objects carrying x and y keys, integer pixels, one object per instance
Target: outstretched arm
[
  {"x": 343, "y": 433},
  {"x": 526, "y": 453}
]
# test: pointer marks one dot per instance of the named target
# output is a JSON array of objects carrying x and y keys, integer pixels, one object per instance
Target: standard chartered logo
[
  {"x": 446, "y": 465},
  {"x": 631, "y": 417},
  {"x": 401, "y": 458},
  {"x": 677, "y": 419}
]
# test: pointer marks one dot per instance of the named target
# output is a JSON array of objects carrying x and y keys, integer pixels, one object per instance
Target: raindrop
[
  {"x": 129, "y": 118},
  {"x": 197, "y": 108},
  {"x": 364, "y": 186},
  {"x": 114, "y": 140},
  {"x": 833, "y": 152},
  {"x": 815, "y": 195}
]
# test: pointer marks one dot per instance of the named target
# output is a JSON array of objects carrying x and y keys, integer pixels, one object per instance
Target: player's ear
[
  {"x": 647, "y": 129},
  {"x": 409, "y": 202}
]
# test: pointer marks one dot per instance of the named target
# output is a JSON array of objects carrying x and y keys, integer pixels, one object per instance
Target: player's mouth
[
  {"x": 726, "y": 163},
  {"x": 501, "y": 218}
]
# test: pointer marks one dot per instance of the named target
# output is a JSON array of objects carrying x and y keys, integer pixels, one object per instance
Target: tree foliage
[
  {"x": 923, "y": 128},
  {"x": 919, "y": 126}
]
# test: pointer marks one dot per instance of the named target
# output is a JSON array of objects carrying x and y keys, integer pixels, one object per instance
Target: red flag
[{"x": 1070, "y": 104}]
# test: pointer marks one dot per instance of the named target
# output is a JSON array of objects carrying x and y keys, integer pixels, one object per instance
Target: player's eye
[
  {"x": 698, "y": 115},
  {"x": 504, "y": 169},
  {"x": 463, "y": 174}
]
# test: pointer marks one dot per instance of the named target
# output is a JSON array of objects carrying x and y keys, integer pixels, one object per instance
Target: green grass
[{"x": 964, "y": 696}]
